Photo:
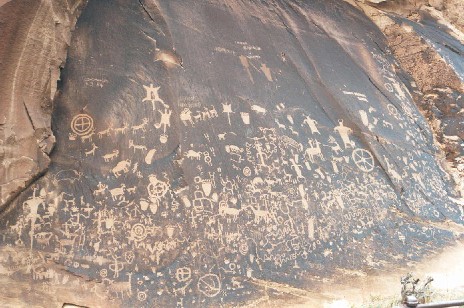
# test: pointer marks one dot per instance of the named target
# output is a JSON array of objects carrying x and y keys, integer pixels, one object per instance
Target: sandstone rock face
[
  {"x": 35, "y": 36},
  {"x": 226, "y": 153}
]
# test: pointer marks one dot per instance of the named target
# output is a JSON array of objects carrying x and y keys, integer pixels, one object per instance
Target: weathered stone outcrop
[
  {"x": 35, "y": 36},
  {"x": 430, "y": 49}
]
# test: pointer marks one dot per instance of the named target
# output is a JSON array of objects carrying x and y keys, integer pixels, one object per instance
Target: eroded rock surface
[
  {"x": 227, "y": 153},
  {"x": 35, "y": 36}
]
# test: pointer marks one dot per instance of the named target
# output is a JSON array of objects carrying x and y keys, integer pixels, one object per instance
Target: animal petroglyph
[
  {"x": 109, "y": 157},
  {"x": 135, "y": 147},
  {"x": 122, "y": 166}
]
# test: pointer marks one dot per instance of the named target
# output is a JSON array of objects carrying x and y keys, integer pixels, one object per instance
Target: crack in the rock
[
  {"x": 146, "y": 11},
  {"x": 29, "y": 115}
]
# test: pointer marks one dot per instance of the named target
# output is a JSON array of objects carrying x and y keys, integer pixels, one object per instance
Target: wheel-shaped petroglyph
[
  {"x": 209, "y": 285},
  {"x": 363, "y": 160},
  {"x": 393, "y": 111},
  {"x": 138, "y": 232},
  {"x": 183, "y": 274},
  {"x": 82, "y": 124}
]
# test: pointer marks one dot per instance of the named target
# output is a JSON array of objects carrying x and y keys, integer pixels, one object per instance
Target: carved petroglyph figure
[
  {"x": 165, "y": 119},
  {"x": 122, "y": 166},
  {"x": 266, "y": 71},
  {"x": 186, "y": 117},
  {"x": 100, "y": 189},
  {"x": 280, "y": 125},
  {"x": 296, "y": 167},
  {"x": 335, "y": 146},
  {"x": 363, "y": 159},
  {"x": 311, "y": 124},
  {"x": 314, "y": 150},
  {"x": 105, "y": 132},
  {"x": 359, "y": 96},
  {"x": 141, "y": 126},
  {"x": 223, "y": 135},
  {"x": 140, "y": 147},
  {"x": 95, "y": 82},
  {"x": 165, "y": 122},
  {"x": 227, "y": 108},
  {"x": 117, "y": 194},
  {"x": 344, "y": 133},
  {"x": 109, "y": 157},
  {"x": 121, "y": 130},
  {"x": 153, "y": 96},
  {"x": 157, "y": 189},
  {"x": 82, "y": 124},
  {"x": 258, "y": 109},
  {"x": 236, "y": 152},
  {"x": 91, "y": 151},
  {"x": 246, "y": 66},
  {"x": 193, "y": 154},
  {"x": 88, "y": 137},
  {"x": 121, "y": 287}
]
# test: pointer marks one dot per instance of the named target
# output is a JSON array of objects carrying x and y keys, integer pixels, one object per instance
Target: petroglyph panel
[{"x": 256, "y": 158}]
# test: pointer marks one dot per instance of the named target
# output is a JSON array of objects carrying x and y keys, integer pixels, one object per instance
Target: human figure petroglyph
[
  {"x": 227, "y": 108},
  {"x": 344, "y": 133},
  {"x": 152, "y": 96},
  {"x": 335, "y": 147},
  {"x": 157, "y": 189},
  {"x": 228, "y": 186},
  {"x": 205, "y": 114},
  {"x": 296, "y": 167},
  {"x": 33, "y": 203},
  {"x": 139, "y": 147},
  {"x": 312, "y": 124},
  {"x": 165, "y": 122},
  {"x": 141, "y": 126},
  {"x": 100, "y": 189},
  {"x": 111, "y": 156},
  {"x": 91, "y": 151}
]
